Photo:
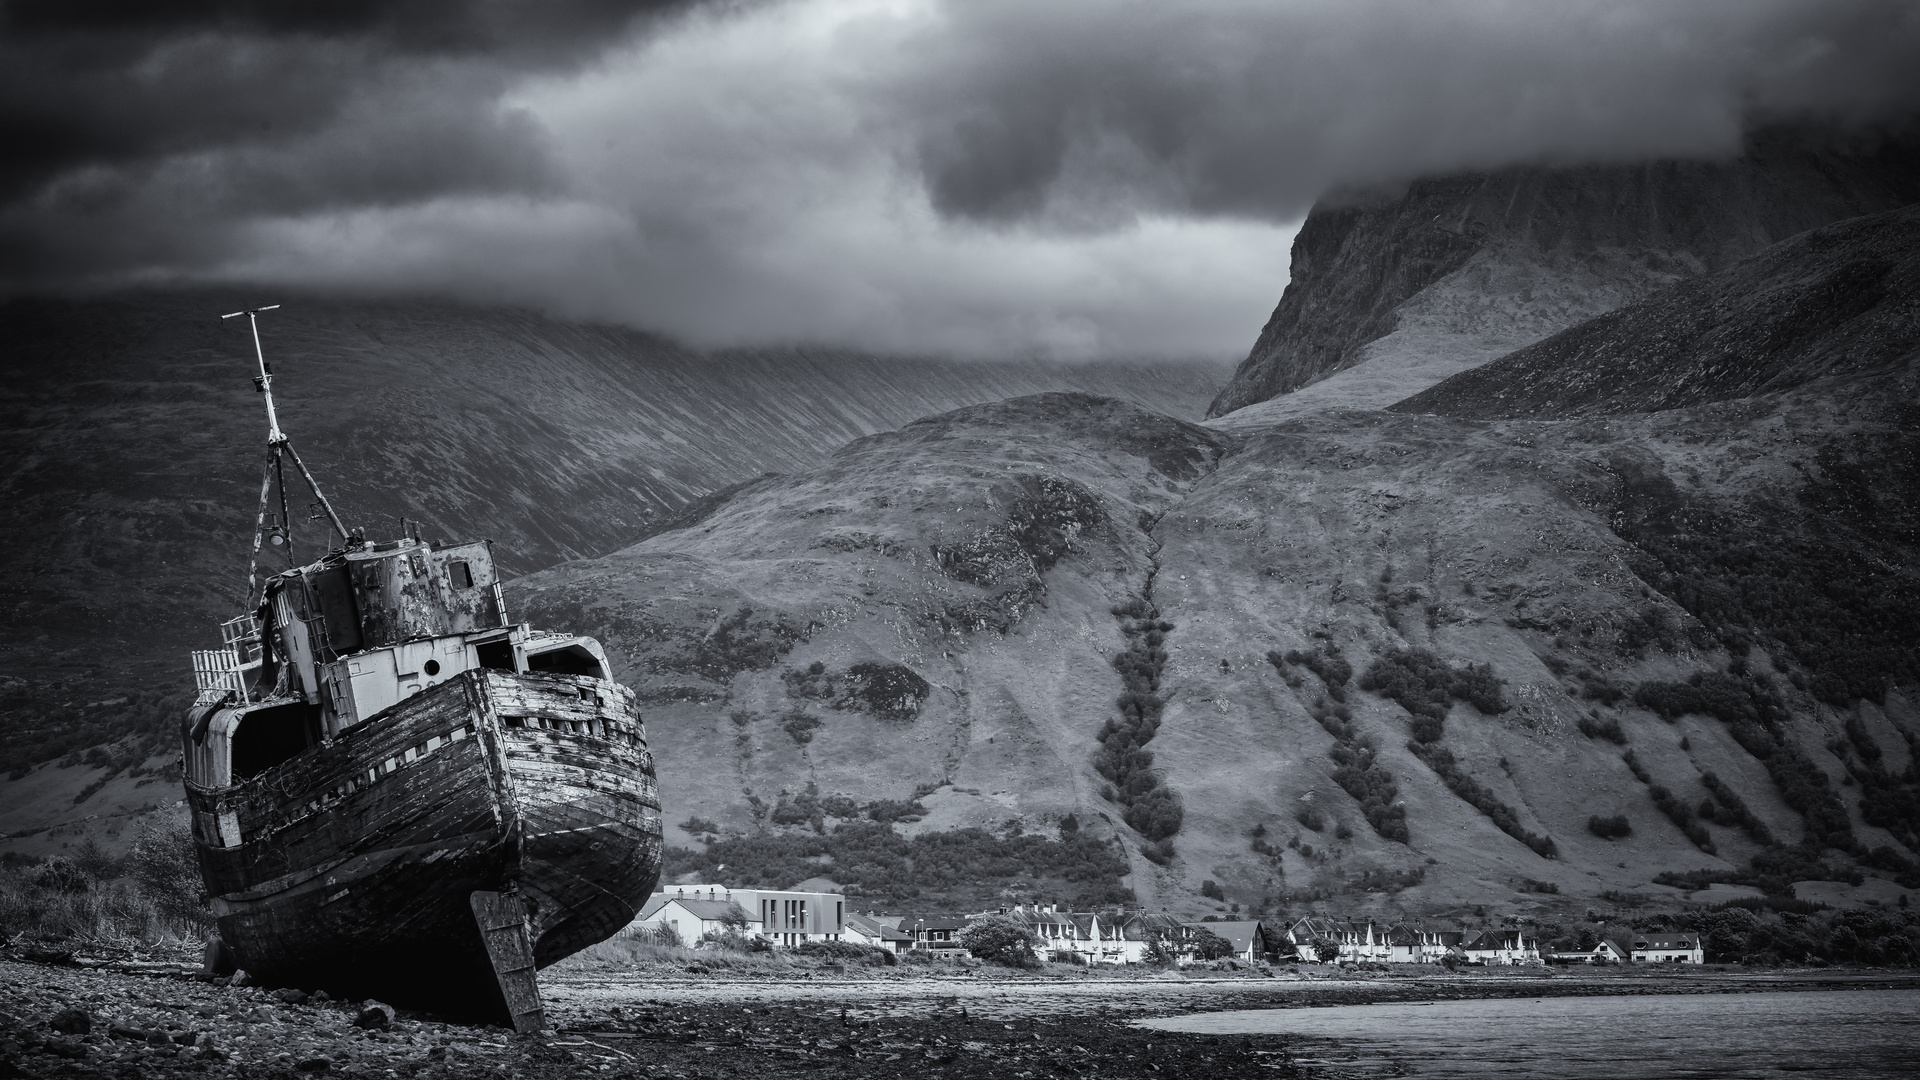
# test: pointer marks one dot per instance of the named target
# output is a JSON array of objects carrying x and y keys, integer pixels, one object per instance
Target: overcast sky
[{"x": 1066, "y": 178}]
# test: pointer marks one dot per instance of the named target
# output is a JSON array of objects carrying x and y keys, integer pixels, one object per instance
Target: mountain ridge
[
  {"x": 1569, "y": 242},
  {"x": 1835, "y": 302}
]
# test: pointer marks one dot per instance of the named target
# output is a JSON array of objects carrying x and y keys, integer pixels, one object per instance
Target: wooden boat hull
[{"x": 357, "y": 859}]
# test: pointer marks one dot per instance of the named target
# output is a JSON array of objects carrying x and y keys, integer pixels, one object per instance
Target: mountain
[
  {"x": 1841, "y": 301},
  {"x": 1411, "y": 659},
  {"x": 1393, "y": 291},
  {"x": 133, "y": 446},
  {"x": 1628, "y": 616},
  {"x": 997, "y": 612}
]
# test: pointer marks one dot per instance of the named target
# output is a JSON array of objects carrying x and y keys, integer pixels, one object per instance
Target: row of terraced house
[
  {"x": 791, "y": 918},
  {"x": 1349, "y": 941}
]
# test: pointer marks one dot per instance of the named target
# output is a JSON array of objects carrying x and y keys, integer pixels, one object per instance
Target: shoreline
[{"x": 987, "y": 1025}]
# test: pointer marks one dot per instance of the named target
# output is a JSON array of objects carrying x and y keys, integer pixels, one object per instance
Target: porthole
[{"x": 433, "y": 667}]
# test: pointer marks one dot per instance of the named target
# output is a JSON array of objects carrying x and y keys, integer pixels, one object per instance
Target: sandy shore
[{"x": 671, "y": 1025}]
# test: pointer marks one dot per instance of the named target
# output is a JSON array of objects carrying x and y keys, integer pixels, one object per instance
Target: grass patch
[
  {"x": 955, "y": 868},
  {"x": 150, "y": 899},
  {"x": 1475, "y": 794}
]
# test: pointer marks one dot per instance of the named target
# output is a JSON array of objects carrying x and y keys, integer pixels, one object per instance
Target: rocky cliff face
[
  {"x": 1838, "y": 302},
  {"x": 1414, "y": 286}
]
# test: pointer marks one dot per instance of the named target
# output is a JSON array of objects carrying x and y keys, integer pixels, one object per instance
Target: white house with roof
[
  {"x": 782, "y": 916},
  {"x": 1411, "y": 944},
  {"x": 874, "y": 931},
  {"x": 1501, "y": 948},
  {"x": 1610, "y": 951},
  {"x": 1669, "y": 948},
  {"x": 1248, "y": 939},
  {"x": 1626, "y": 946},
  {"x": 691, "y": 919}
]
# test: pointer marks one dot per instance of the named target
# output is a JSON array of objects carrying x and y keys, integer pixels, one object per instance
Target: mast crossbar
[{"x": 275, "y": 471}]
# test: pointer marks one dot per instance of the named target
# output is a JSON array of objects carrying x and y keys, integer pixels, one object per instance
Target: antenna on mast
[
  {"x": 263, "y": 381},
  {"x": 277, "y": 442}
]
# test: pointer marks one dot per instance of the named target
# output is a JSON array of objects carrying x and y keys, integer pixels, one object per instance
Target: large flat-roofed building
[{"x": 783, "y": 916}]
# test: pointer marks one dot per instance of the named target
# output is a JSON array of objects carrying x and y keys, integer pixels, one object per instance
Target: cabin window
[
  {"x": 460, "y": 574},
  {"x": 268, "y": 737},
  {"x": 335, "y": 595},
  {"x": 571, "y": 660},
  {"x": 433, "y": 667},
  {"x": 495, "y": 654}
]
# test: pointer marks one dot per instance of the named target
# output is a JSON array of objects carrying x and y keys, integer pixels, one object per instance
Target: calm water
[{"x": 1821, "y": 1033}]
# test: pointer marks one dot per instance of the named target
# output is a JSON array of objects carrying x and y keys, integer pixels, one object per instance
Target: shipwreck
[{"x": 398, "y": 792}]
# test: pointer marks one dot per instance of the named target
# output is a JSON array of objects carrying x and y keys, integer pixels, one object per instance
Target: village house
[
  {"x": 691, "y": 920},
  {"x": 1358, "y": 942},
  {"x": 1670, "y": 949},
  {"x": 1248, "y": 938},
  {"x": 1087, "y": 937},
  {"x": 1124, "y": 938},
  {"x": 1410, "y": 944},
  {"x": 1501, "y": 947},
  {"x": 1609, "y": 951},
  {"x": 938, "y": 934},
  {"x": 784, "y": 917},
  {"x": 875, "y": 931}
]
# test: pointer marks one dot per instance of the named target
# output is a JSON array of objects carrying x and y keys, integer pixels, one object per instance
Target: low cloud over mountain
[{"x": 1072, "y": 179}]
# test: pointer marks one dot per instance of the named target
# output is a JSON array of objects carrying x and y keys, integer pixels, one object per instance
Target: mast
[{"x": 275, "y": 475}]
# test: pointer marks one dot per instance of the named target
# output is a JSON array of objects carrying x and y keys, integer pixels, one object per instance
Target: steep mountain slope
[
  {"x": 132, "y": 444},
  {"x": 1051, "y": 587},
  {"x": 1843, "y": 300},
  {"x": 928, "y": 611},
  {"x": 1410, "y": 287}
]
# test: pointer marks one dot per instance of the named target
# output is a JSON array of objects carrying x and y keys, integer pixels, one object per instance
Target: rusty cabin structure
[{"x": 398, "y": 792}]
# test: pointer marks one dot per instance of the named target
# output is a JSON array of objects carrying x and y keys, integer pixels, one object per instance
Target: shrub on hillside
[
  {"x": 1152, "y": 809},
  {"x": 1682, "y": 817},
  {"x": 1608, "y": 729},
  {"x": 800, "y": 725},
  {"x": 1609, "y": 828},
  {"x": 1427, "y": 686},
  {"x": 1326, "y": 662}
]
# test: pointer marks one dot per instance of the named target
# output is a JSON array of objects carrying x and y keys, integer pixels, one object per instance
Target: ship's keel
[{"x": 507, "y": 933}]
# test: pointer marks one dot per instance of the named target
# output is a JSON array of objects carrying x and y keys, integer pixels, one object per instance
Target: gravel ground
[{"x": 62, "y": 1020}]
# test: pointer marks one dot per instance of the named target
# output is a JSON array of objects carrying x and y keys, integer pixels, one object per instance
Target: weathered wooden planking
[
  {"x": 368, "y": 885},
  {"x": 501, "y": 919}
]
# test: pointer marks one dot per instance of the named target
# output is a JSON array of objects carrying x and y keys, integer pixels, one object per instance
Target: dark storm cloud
[
  {"x": 268, "y": 107},
  {"x": 1258, "y": 108},
  {"x": 1074, "y": 177}
]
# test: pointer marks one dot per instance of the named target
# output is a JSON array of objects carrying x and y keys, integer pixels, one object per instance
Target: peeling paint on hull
[{"x": 357, "y": 857}]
